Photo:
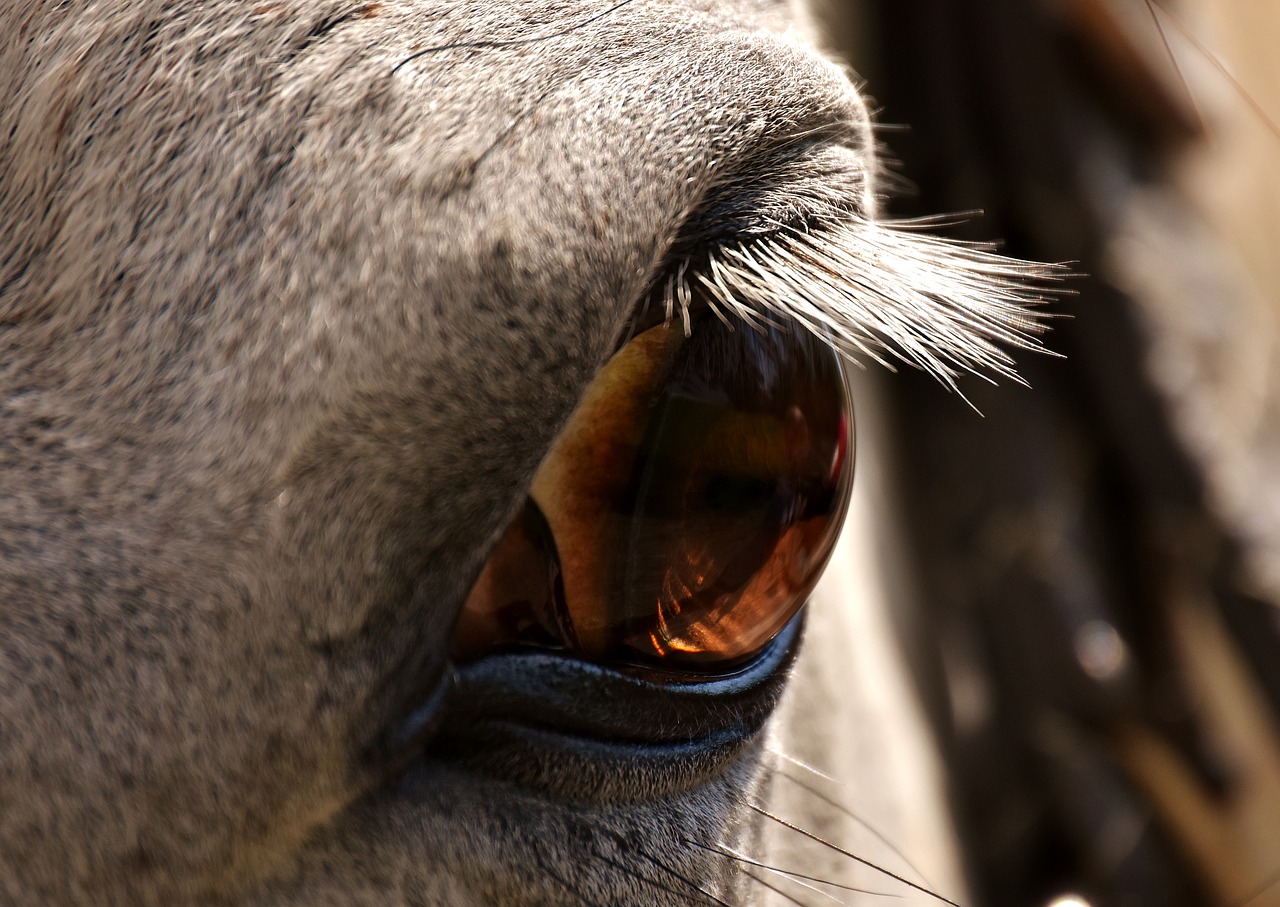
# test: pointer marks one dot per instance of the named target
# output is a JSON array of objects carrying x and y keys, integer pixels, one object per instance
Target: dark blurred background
[{"x": 1099, "y": 556}]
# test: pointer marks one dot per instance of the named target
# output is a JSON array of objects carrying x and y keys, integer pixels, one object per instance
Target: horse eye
[{"x": 685, "y": 513}]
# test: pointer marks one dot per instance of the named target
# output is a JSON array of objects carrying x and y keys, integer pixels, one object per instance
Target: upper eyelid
[
  {"x": 809, "y": 176},
  {"x": 805, "y": 179},
  {"x": 871, "y": 288}
]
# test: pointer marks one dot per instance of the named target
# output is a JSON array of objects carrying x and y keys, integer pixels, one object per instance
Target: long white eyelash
[{"x": 883, "y": 291}]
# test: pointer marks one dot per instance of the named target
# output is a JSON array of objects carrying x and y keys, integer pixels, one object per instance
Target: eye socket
[{"x": 687, "y": 510}]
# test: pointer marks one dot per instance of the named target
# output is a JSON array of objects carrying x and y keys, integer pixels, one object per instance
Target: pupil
[
  {"x": 739, "y": 487},
  {"x": 736, "y": 494}
]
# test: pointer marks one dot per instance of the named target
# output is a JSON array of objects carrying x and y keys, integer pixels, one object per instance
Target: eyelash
[{"x": 876, "y": 290}]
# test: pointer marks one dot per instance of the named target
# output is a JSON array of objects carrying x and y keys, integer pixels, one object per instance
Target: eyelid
[
  {"x": 793, "y": 235},
  {"x": 804, "y": 182}
]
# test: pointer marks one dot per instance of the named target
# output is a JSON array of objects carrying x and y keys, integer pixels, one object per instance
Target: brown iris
[{"x": 685, "y": 513}]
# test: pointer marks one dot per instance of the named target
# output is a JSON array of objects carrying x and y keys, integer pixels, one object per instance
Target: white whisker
[{"x": 843, "y": 809}]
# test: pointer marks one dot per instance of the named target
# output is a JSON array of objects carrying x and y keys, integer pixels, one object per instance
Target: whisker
[
  {"x": 1217, "y": 64},
  {"x": 852, "y": 856},
  {"x": 792, "y": 874},
  {"x": 627, "y": 870},
  {"x": 845, "y": 810},
  {"x": 625, "y": 846},
  {"x": 556, "y": 877},
  {"x": 775, "y": 889},
  {"x": 684, "y": 879},
  {"x": 808, "y": 767},
  {"x": 1177, "y": 67}
]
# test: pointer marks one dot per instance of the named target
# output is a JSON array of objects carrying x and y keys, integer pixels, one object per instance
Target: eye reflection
[{"x": 685, "y": 513}]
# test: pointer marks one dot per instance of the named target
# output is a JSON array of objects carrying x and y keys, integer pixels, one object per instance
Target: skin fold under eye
[{"x": 687, "y": 510}]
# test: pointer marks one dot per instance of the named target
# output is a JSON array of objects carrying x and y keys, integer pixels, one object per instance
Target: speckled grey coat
[{"x": 285, "y": 328}]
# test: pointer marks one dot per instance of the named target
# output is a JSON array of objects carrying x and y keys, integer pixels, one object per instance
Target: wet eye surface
[{"x": 685, "y": 513}]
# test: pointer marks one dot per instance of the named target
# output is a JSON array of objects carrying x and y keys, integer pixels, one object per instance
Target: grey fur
[{"x": 284, "y": 331}]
